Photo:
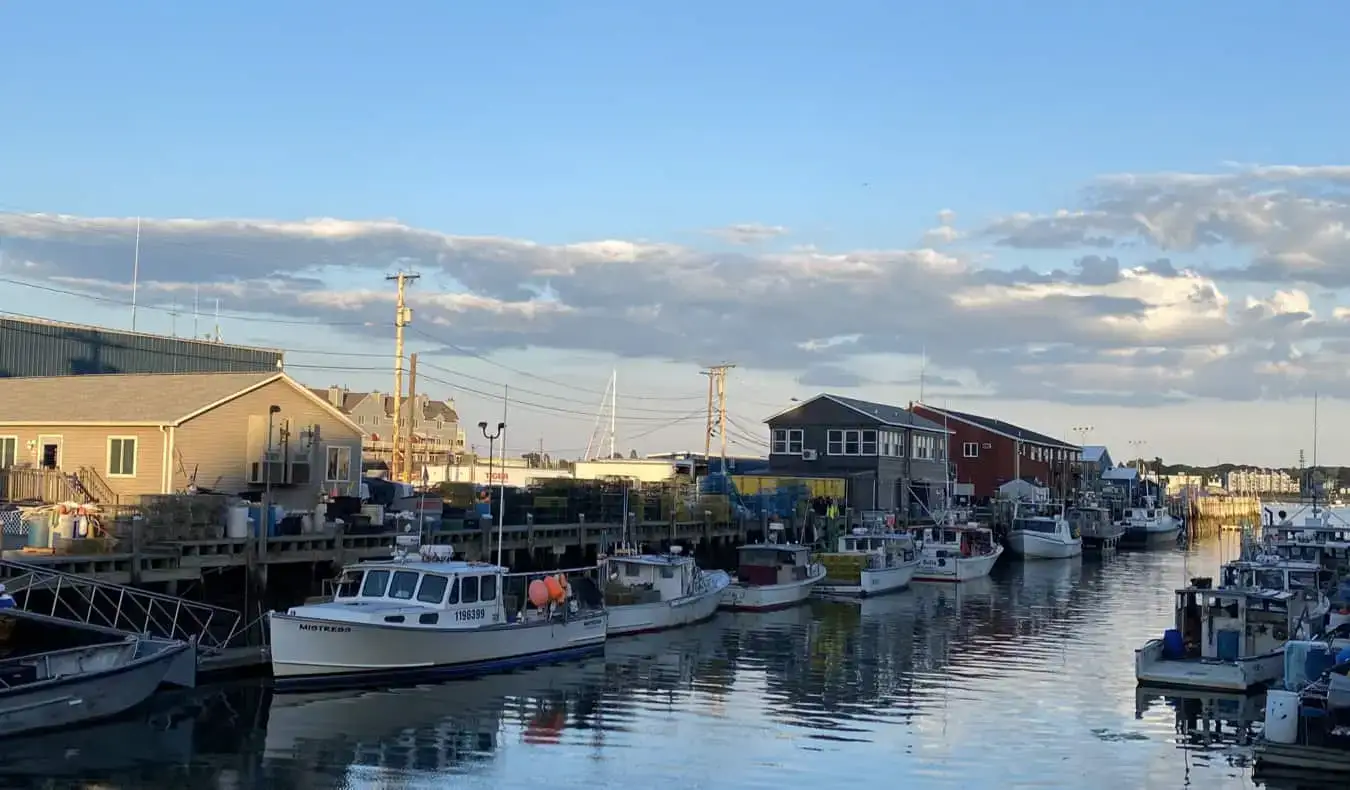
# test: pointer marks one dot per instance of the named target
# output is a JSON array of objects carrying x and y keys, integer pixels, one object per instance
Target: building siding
[
  {"x": 1003, "y": 460},
  {"x": 87, "y": 447},
  {"x": 216, "y": 445},
  {"x": 42, "y": 348}
]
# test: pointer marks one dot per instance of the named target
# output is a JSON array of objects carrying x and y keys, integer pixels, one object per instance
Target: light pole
[
  {"x": 492, "y": 441},
  {"x": 266, "y": 515}
]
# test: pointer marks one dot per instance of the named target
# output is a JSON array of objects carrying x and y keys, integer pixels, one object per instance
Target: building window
[
  {"x": 869, "y": 442},
  {"x": 851, "y": 442},
  {"x": 339, "y": 467},
  {"x": 885, "y": 443},
  {"x": 834, "y": 443},
  {"x": 898, "y": 447},
  {"x": 970, "y": 450},
  {"x": 924, "y": 447},
  {"x": 9, "y": 451},
  {"x": 787, "y": 441},
  {"x": 121, "y": 456}
]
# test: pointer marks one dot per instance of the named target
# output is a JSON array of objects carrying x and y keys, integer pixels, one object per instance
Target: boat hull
[
  {"x": 1049, "y": 547},
  {"x": 310, "y": 652},
  {"x": 78, "y": 698},
  {"x": 770, "y": 597},
  {"x": 874, "y": 581},
  {"x": 1151, "y": 535},
  {"x": 1240, "y": 675},
  {"x": 647, "y": 617},
  {"x": 957, "y": 569}
]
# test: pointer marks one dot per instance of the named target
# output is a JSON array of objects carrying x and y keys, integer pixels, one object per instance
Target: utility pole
[
  {"x": 402, "y": 317},
  {"x": 717, "y": 388},
  {"x": 412, "y": 418}
]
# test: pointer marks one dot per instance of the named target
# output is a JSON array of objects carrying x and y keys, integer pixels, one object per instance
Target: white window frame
[
  {"x": 864, "y": 442},
  {"x": 13, "y": 443},
  {"x": 135, "y": 455},
  {"x": 852, "y": 436},
  {"x": 970, "y": 449},
  {"x": 923, "y": 447},
  {"x": 328, "y": 456},
  {"x": 834, "y": 442},
  {"x": 885, "y": 449},
  {"x": 788, "y": 441}
]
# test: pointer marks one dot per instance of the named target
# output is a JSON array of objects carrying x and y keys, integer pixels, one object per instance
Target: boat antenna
[{"x": 1312, "y": 474}]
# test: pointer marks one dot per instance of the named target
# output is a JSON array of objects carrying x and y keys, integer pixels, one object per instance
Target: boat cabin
[
  {"x": 955, "y": 540},
  {"x": 1231, "y": 624},
  {"x": 1044, "y": 518},
  {"x": 1274, "y": 573},
  {"x": 632, "y": 578},
  {"x": 448, "y": 594},
  {"x": 765, "y": 564},
  {"x": 1093, "y": 522}
]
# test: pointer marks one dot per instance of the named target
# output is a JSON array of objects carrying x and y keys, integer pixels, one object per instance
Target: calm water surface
[{"x": 1021, "y": 680}]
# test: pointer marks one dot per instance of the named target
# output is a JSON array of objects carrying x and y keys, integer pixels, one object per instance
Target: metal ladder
[{"x": 84, "y": 601}]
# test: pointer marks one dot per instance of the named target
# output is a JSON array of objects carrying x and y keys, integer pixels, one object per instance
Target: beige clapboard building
[{"x": 132, "y": 435}]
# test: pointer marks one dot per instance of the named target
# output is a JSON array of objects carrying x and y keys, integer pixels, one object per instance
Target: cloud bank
[{"x": 1153, "y": 288}]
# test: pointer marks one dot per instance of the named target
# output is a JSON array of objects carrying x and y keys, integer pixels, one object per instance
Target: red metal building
[{"x": 987, "y": 453}]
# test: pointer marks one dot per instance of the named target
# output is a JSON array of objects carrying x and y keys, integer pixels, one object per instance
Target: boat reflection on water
[
  {"x": 197, "y": 734},
  {"x": 1210, "y": 726}
]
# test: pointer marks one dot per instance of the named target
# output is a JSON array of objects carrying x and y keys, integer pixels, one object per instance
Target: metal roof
[
  {"x": 881, "y": 412},
  {"x": 1002, "y": 428},
  {"x": 145, "y": 398}
]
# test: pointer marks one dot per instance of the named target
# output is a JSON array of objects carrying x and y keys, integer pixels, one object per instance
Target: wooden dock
[{"x": 189, "y": 560}]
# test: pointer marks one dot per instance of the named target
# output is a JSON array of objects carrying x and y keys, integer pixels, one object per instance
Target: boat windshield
[
  {"x": 1047, "y": 525},
  {"x": 349, "y": 584}
]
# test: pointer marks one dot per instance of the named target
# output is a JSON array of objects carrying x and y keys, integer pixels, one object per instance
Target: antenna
[
  {"x": 196, "y": 308},
  {"x": 217, "y": 320},
  {"x": 501, "y": 491},
  {"x": 596, "y": 440},
  {"x": 135, "y": 273},
  {"x": 1312, "y": 476},
  {"x": 613, "y": 409},
  {"x": 923, "y": 368}
]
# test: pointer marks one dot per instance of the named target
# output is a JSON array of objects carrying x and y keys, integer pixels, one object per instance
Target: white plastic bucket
[{"x": 1281, "y": 716}]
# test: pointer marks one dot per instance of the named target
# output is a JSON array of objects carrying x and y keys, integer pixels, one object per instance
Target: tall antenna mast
[
  {"x": 613, "y": 408},
  {"x": 923, "y": 368},
  {"x": 597, "y": 438},
  {"x": 402, "y": 317},
  {"x": 1312, "y": 476},
  {"x": 135, "y": 273},
  {"x": 196, "y": 309},
  {"x": 217, "y": 320}
]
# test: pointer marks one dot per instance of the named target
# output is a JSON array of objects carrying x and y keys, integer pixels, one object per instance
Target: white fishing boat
[
  {"x": 422, "y": 615},
  {"x": 653, "y": 592},
  {"x": 1040, "y": 531},
  {"x": 952, "y": 552},
  {"x": 1149, "y": 524},
  {"x": 869, "y": 562},
  {"x": 772, "y": 575},
  {"x": 1225, "y": 639}
]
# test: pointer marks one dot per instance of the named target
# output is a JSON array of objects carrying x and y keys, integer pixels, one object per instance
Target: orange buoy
[
  {"x": 539, "y": 593},
  {"x": 555, "y": 590}
]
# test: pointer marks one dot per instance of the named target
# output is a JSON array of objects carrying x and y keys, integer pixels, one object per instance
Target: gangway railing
[{"x": 86, "y": 601}]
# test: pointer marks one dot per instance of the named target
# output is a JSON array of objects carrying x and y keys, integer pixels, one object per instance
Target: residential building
[
  {"x": 1096, "y": 460},
  {"x": 437, "y": 436},
  {"x": 892, "y": 459},
  {"x": 987, "y": 453},
  {"x": 38, "y": 347},
  {"x": 1254, "y": 482},
  {"x": 132, "y": 435}
]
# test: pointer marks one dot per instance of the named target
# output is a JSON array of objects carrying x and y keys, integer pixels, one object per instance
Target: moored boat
[
  {"x": 869, "y": 562},
  {"x": 1098, "y": 531},
  {"x": 422, "y": 616},
  {"x": 653, "y": 592},
  {"x": 1149, "y": 524},
  {"x": 952, "y": 552},
  {"x": 772, "y": 576},
  {"x": 1040, "y": 531},
  {"x": 1229, "y": 639}
]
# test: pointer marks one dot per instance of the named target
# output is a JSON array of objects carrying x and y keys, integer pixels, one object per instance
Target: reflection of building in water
[{"x": 1207, "y": 724}]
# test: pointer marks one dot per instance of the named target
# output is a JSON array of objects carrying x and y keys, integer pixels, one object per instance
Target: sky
[{"x": 1124, "y": 224}]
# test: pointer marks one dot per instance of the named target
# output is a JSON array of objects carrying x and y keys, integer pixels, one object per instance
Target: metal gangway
[{"x": 85, "y": 601}]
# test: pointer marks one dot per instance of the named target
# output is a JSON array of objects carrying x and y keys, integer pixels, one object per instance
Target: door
[{"x": 49, "y": 452}]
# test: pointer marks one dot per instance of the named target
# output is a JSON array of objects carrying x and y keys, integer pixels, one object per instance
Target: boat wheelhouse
[
  {"x": 1308, "y": 580},
  {"x": 1096, "y": 528},
  {"x": 653, "y": 592},
  {"x": 423, "y": 615},
  {"x": 1040, "y": 531},
  {"x": 869, "y": 562},
  {"x": 772, "y": 576},
  {"x": 955, "y": 552},
  {"x": 1230, "y": 639}
]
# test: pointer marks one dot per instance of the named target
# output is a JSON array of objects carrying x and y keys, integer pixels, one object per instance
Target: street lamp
[{"x": 492, "y": 439}]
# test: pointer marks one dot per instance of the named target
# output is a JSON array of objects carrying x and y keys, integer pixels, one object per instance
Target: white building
[{"x": 1252, "y": 482}]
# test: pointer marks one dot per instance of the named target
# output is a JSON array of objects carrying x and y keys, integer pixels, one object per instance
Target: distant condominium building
[{"x": 1250, "y": 481}]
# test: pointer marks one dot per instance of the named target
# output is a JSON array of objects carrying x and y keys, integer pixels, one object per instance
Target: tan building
[{"x": 131, "y": 435}]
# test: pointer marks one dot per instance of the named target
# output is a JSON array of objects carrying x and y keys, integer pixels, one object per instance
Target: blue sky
[{"x": 851, "y": 125}]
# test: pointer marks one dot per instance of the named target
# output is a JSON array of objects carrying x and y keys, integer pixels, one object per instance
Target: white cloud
[
  {"x": 1086, "y": 329},
  {"x": 749, "y": 233}
]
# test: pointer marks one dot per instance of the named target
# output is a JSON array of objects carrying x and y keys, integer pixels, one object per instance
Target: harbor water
[{"x": 1025, "y": 679}]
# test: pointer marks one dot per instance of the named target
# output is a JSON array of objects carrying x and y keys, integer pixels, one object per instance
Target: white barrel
[
  {"x": 236, "y": 522},
  {"x": 65, "y": 526},
  {"x": 1281, "y": 716}
]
